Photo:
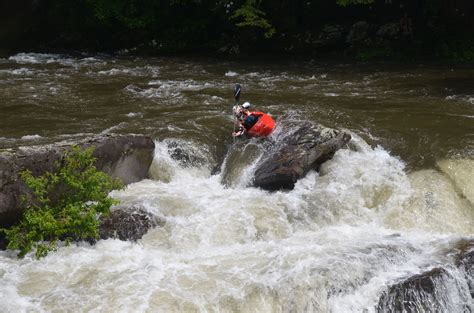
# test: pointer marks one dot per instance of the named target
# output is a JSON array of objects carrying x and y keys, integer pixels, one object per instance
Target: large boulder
[
  {"x": 126, "y": 157},
  {"x": 305, "y": 149}
]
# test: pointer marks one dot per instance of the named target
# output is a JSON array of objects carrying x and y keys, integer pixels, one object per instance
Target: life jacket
[
  {"x": 250, "y": 120},
  {"x": 260, "y": 124}
]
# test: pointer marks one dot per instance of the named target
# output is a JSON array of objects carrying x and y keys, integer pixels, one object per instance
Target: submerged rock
[
  {"x": 305, "y": 149},
  {"x": 185, "y": 154},
  {"x": 431, "y": 291},
  {"x": 127, "y": 224},
  {"x": 126, "y": 157},
  {"x": 415, "y": 294},
  {"x": 465, "y": 262}
]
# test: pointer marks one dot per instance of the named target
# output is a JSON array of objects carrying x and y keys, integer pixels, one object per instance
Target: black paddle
[
  {"x": 237, "y": 90},
  {"x": 237, "y": 93}
]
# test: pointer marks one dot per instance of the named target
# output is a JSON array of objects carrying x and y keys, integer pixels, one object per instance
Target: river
[{"x": 389, "y": 207}]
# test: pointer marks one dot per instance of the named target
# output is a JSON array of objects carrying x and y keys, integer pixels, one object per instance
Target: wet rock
[
  {"x": 185, "y": 154},
  {"x": 434, "y": 290},
  {"x": 127, "y": 224},
  {"x": 126, "y": 157},
  {"x": 305, "y": 149},
  {"x": 465, "y": 262},
  {"x": 330, "y": 35},
  {"x": 389, "y": 31},
  {"x": 358, "y": 33},
  {"x": 415, "y": 294}
]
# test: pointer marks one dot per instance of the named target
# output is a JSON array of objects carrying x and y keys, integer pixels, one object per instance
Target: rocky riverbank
[{"x": 126, "y": 157}]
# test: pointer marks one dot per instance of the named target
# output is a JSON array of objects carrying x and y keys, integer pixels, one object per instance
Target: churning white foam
[
  {"x": 19, "y": 71},
  {"x": 461, "y": 172},
  {"x": 50, "y": 58},
  {"x": 30, "y": 137},
  {"x": 134, "y": 114},
  {"x": 465, "y": 98},
  {"x": 34, "y": 58},
  {"x": 325, "y": 246},
  {"x": 151, "y": 71},
  {"x": 171, "y": 90},
  {"x": 231, "y": 74}
]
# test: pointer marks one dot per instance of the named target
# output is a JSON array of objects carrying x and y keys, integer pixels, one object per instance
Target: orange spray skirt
[{"x": 263, "y": 127}]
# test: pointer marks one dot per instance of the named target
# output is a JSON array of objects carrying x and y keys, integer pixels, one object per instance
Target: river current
[{"x": 391, "y": 205}]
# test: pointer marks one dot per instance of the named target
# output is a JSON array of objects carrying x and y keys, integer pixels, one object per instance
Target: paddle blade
[{"x": 237, "y": 92}]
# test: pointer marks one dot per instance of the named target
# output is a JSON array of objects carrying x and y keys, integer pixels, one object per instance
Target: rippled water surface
[
  {"x": 421, "y": 113},
  {"x": 391, "y": 206}
]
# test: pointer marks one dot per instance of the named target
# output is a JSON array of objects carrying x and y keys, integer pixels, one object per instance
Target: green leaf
[
  {"x": 67, "y": 201},
  {"x": 249, "y": 15}
]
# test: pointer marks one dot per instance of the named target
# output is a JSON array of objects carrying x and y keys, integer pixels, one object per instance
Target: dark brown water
[
  {"x": 420, "y": 113},
  {"x": 333, "y": 244}
]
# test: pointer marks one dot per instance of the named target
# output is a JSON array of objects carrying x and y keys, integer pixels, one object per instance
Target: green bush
[
  {"x": 461, "y": 51},
  {"x": 67, "y": 204},
  {"x": 374, "y": 52},
  {"x": 249, "y": 15}
]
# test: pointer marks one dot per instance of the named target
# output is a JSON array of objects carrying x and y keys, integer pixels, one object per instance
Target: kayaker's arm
[{"x": 239, "y": 132}]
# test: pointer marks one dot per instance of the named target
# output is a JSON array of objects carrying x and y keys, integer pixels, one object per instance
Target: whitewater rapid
[
  {"x": 393, "y": 204},
  {"x": 333, "y": 244}
]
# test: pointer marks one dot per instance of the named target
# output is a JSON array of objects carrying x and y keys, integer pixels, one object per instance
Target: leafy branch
[
  {"x": 66, "y": 206},
  {"x": 250, "y": 16}
]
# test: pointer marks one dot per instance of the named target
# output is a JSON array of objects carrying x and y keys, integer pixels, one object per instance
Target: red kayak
[{"x": 263, "y": 127}]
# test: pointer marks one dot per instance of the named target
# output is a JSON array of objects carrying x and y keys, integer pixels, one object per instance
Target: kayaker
[
  {"x": 245, "y": 118},
  {"x": 253, "y": 124}
]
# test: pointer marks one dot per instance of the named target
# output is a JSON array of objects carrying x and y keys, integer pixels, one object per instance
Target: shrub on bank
[{"x": 66, "y": 205}]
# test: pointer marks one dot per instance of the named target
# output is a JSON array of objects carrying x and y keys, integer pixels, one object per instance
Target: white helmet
[{"x": 246, "y": 105}]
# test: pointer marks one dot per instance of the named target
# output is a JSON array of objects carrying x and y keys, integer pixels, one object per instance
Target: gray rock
[
  {"x": 389, "y": 31},
  {"x": 126, "y": 157},
  {"x": 330, "y": 35},
  {"x": 124, "y": 223},
  {"x": 185, "y": 154},
  {"x": 415, "y": 294},
  {"x": 465, "y": 262},
  {"x": 428, "y": 291},
  {"x": 305, "y": 149},
  {"x": 358, "y": 33},
  {"x": 127, "y": 224}
]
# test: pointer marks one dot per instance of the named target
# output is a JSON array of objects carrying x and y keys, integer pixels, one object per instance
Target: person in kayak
[
  {"x": 252, "y": 124},
  {"x": 246, "y": 119}
]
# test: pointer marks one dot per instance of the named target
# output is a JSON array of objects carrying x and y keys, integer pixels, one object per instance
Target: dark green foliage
[
  {"x": 67, "y": 205},
  {"x": 439, "y": 27},
  {"x": 458, "y": 51},
  {"x": 374, "y": 53},
  {"x": 248, "y": 15},
  {"x": 352, "y": 2},
  {"x": 132, "y": 14}
]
